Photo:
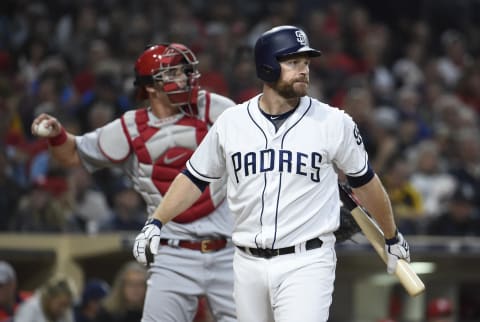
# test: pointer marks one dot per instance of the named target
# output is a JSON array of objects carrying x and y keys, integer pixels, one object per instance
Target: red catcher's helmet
[
  {"x": 147, "y": 65},
  {"x": 174, "y": 66}
]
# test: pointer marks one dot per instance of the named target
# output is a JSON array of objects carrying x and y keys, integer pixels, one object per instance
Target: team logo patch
[
  {"x": 356, "y": 134},
  {"x": 301, "y": 37}
]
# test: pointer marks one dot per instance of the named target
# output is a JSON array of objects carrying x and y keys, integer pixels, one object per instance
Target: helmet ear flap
[{"x": 269, "y": 73}]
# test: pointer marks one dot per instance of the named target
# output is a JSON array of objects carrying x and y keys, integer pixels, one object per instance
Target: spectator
[
  {"x": 468, "y": 88},
  {"x": 406, "y": 201},
  {"x": 243, "y": 85},
  {"x": 125, "y": 301},
  {"x": 434, "y": 184},
  {"x": 107, "y": 91},
  {"x": 10, "y": 296},
  {"x": 407, "y": 70},
  {"x": 91, "y": 307},
  {"x": 42, "y": 209},
  {"x": 90, "y": 208},
  {"x": 53, "y": 302},
  {"x": 212, "y": 79},
  {"x": 128, "y": 209},
  {"x": 384, "y": 138},
  {"x": 359, "y": 104},
  {"x": 10, "y": 192},
  {"x": 452, "y": 65},
  {"x": 465, "y": 163},
  {"x": 461, "y": 218},
  {"x": 408, "y": 104}
]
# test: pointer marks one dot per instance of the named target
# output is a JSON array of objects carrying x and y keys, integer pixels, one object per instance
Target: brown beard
[{"x": 288, "y": 90}]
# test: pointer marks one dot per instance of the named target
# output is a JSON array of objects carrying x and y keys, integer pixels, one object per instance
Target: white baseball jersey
[
  {"x": 282, "y": 186},
  {"x": 152, "y": 152}
]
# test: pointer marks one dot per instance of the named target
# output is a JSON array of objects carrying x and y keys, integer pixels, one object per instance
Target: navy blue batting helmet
[{"x": 276, "y": 43}]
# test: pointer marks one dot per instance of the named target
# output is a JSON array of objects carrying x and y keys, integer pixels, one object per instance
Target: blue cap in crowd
[{"x": 95, "y": 289}]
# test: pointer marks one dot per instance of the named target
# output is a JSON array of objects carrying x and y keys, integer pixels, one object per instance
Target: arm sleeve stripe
[
  {"x": 356, "y": 182},
  {"x": 202, "y": 185},
  {"x": 363, "y": 169},
  {"x": 207, "y": 108},
  {"x": 197, "y": 174}
]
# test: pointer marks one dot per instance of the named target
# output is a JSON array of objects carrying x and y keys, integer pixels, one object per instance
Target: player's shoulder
[
  {"x": 128, "y": 115},
  {"x": 113, "y": 141},
  {"x": 212, "y": 105},
  {"x": 210, "y": 99},
  {"x": 327, "y": 110}
]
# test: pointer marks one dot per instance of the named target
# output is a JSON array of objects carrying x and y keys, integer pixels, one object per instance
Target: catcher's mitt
[{"x": 348, "y": 226}]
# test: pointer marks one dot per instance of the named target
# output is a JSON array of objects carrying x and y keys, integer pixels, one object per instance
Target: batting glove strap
[
  {"x": 154, "y": 221},
  {"x": 393, "y": 240}
]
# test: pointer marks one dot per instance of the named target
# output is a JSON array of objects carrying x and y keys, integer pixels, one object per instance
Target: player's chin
[{"x": 300, "y": 88}]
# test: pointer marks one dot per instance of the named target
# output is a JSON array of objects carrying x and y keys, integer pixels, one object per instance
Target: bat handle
[
  {"x": 149, "y": 256},
  {"x": 409, "y": 279}
]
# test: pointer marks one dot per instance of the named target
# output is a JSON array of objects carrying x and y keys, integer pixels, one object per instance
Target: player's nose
[{"x": 305, "y": 69}]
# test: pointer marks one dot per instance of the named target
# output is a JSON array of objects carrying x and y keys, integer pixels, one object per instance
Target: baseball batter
[
  {"x": 152, "y": 145},
  {"x": 279, "y": 150}
]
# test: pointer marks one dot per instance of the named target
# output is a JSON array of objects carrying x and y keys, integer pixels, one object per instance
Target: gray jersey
[{"x": 167, "y": 144}]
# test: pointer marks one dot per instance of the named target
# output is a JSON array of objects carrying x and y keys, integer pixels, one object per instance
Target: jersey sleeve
[
  {"x": 351, "y": 156},
  {"x": 208, "y": 162}
]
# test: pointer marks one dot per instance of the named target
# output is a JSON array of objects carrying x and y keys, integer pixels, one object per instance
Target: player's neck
[
  {"x": 273, "y": 104},
  {"x": 163, "y": 109}
]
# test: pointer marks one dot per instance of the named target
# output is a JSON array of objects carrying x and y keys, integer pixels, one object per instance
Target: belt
[
  {"x": 204, "y": 245},
  {"x": 269, "y": 253}
]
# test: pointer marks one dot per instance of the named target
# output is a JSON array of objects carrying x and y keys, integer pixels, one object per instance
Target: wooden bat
[{"x": 406, "y": 275}]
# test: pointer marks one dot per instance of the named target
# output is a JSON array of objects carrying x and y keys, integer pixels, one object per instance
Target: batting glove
[
  {"x": 147, "y": 242},
  {"x": 397, "y": 248}
]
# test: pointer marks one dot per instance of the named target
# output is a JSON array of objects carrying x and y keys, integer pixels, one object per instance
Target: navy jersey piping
[
  {"x": 366, "y": 165},
  {"x": 280, "y": 183},
  {"x": 200, "y": 174},
  {"x": 265, "y": 175}
]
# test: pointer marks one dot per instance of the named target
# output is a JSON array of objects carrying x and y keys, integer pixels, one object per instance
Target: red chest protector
[{"x": 171, "y": 162}]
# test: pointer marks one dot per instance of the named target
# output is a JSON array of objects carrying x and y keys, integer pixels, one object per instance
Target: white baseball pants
[{"x": 285, "y": 288}]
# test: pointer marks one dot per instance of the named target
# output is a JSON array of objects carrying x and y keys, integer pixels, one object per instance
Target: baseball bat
[{"x": 404, "y": 272}]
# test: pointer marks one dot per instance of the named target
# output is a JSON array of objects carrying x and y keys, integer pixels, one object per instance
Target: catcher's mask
[{"x": 175, "y": 67}]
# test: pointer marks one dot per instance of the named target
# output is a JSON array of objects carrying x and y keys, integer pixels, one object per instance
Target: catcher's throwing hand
[
  {"x": 397, "y": 248},
  {"x": 147, "y": 242},
  {"x": 53, "y": 125}
]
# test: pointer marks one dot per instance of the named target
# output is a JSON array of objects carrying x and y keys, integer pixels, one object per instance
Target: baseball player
[
  {"x": 152, "y": 145},
  {"x": 279, "y": 150}
]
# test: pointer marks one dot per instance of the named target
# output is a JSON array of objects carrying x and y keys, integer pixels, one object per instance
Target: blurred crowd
[
  {"x": 59, "y": 299},
  {"x": 408, "y": 73}
]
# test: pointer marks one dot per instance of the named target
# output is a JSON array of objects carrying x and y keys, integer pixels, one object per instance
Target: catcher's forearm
[
  {"x": 180, "y": 196},
  {"x": 375, "y": 199},
  {"x": 66, "y": 154}
]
